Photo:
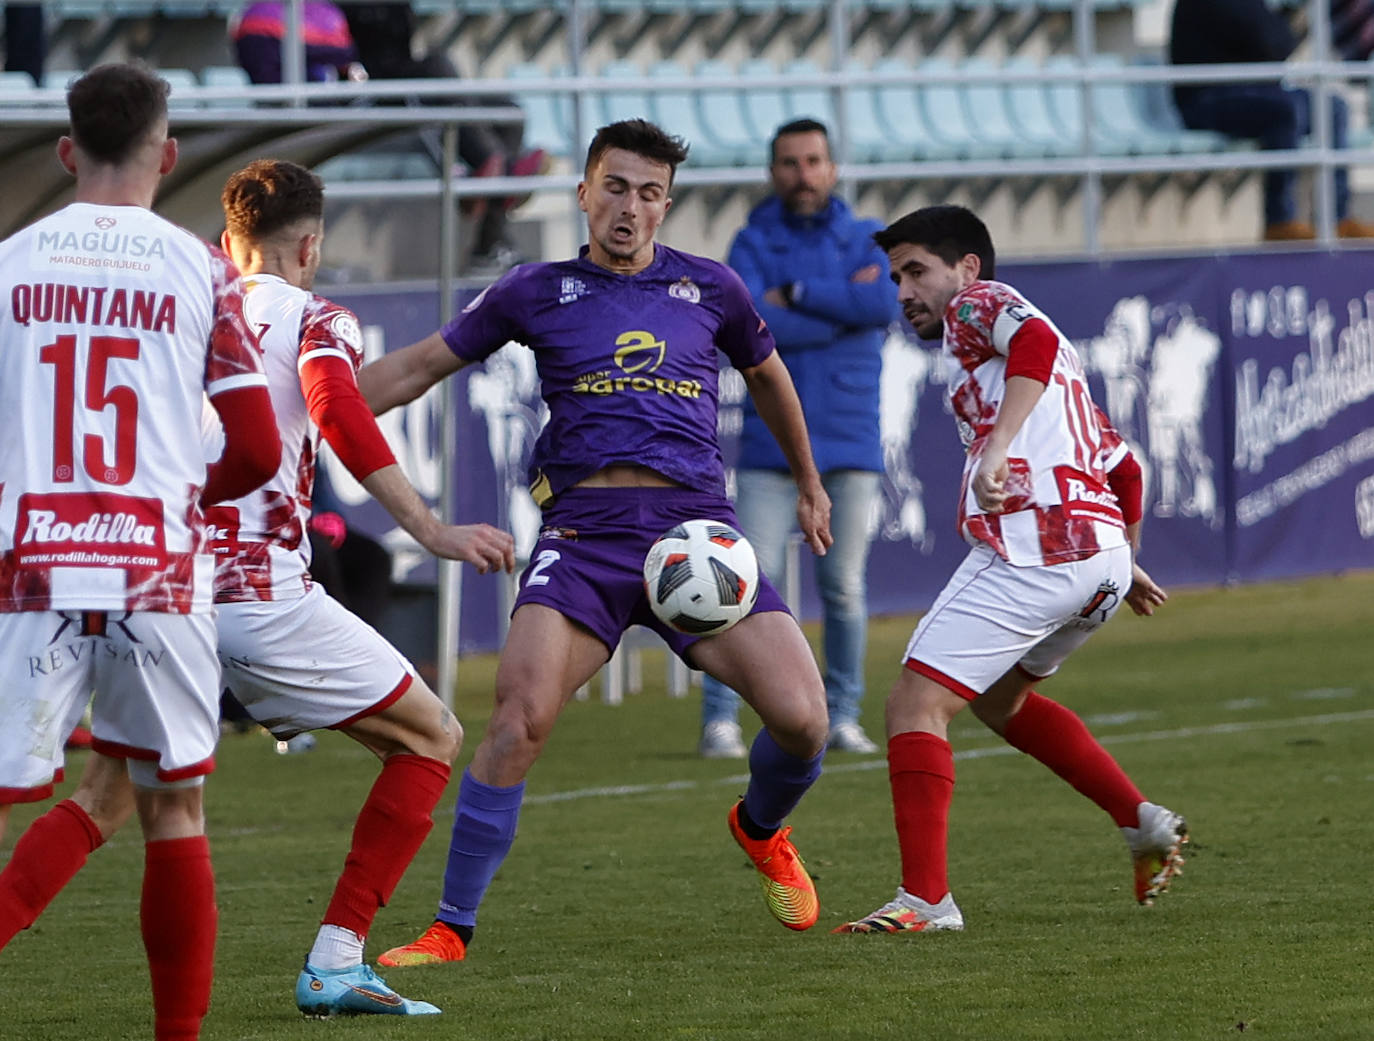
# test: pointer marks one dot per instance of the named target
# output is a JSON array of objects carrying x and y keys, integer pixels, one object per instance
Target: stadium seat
[
  {"x": 989, "y": 112},
  {"x": 809, "y": 101},
  {"x": 1029, "y": 109},
  {"x": 548, "y": 114},
  {"x": 765, "y": 108},
  {"x": 868, "y": 139},
  {"x": 1118, "y": 111},
  {"x": 722, "y": 117},
  {"x": 181, "y": 81},
  {"x": 224, "y": 76},
  {"x": 1065, "y": 99},
  {"x": 901, "y": 114},
  {"x": 676, "y": 108},
  {"x": 946, "y": 116},
  {"x": 15, "y": 86},
  {"x": 612, "y": 106}
]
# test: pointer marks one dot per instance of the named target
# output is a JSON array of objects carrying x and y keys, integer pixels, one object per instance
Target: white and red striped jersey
[
  {"x": 1060, "y": 506},
  {"x": 114, "y": 325},
  {"x": 262, "y": 551}
]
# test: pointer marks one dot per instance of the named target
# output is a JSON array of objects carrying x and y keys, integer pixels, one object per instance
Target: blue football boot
[{"x": 355, "y": 991}]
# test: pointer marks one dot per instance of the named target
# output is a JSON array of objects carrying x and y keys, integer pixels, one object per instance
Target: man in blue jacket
[{"x": 822, "y": 285}]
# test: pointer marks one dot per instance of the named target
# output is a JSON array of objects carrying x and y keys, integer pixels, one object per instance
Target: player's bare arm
[
  {"x": 481, "y": 545},
  {"x": 399, "y": 377},
  {"x": 770, "y": 385},
  {"x": 989, "y": 482}
]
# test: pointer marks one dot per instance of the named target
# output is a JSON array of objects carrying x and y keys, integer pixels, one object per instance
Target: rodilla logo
[
  {"x": 222, "y": 530},
  {"x": 89, "y": 530},
  {"x": 1082, "y": 496}
]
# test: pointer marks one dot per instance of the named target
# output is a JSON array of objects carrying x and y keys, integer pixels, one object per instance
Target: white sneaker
[
  {"x": 1155, "y": 848},
  {"x": 909, "y": 914},
  {"x": 850, "y": 737},
  {"x": 722, "y": 739}
]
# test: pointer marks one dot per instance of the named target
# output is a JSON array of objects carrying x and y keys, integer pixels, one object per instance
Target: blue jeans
[
  {"x": 766, "y": 504},
  {"x": 1279, "y": 118}
]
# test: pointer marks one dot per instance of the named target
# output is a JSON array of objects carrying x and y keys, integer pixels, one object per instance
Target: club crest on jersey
[
  {"x": 685, "y": 289},
  {"x": 105, "y": 223},
  {"x": 472, "y": 304},
  {"x": 571, "y": 289},
  {"x": 345, "y": 327},
  {"x": 1102, "y": 603}
]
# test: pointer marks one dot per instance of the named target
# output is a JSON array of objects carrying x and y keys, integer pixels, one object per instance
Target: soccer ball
[{"x": 701, "y": 577}]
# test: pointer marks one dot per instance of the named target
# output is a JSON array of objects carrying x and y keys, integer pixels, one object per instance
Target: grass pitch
[{"x": 625, "y": 912}]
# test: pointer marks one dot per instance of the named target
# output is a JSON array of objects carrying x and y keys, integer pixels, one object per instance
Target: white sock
[{"x": 336, "y": 948}]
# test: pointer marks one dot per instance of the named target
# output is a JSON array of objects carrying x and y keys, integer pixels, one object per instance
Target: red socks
[
  {"x": 390, "y": 829},
  {"x": 178, "y": 917},
  {"x": 51, "y": 850},
  {"x": 1047, "y": 731},
  {"x": 921, "y": 769}
]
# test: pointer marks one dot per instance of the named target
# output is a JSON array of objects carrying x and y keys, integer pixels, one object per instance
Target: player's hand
[
  {"x": 774, "y": 296},
  {"x": 486, "y": 548},
  {"x": 990, "y": 481},
  {"x": 1145, "y": 594},
  {"x": 864, "y": 275},
  {"x": 813, "y": 518}
]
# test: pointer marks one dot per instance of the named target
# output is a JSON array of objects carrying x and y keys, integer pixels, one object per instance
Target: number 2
[
  {"x": 542, "y": 562},
  {"x": 61, "y": 355}
]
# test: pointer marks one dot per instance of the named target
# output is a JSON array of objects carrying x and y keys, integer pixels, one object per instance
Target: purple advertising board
[{"x": 1242, "y": 383}]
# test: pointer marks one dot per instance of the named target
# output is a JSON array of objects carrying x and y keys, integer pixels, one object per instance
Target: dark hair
[
  {"x": 950, "y": 232},
  {"x": 798, "y": 126},
  {"x": 114, "y": 108},
  {"x": 641, "y": 137},
  {"x": 268, "y": 195}
]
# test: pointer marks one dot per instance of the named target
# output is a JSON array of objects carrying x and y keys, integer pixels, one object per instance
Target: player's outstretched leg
[
  {"x": 787, "y": 888},
  {"x": 483, "y": 829},
  {"x": 1155, "y": 845},
  {"x": 389, "y": 831},
  {"x": 777, "y": 781},
  {"x": 1056, "y": 736},
  {"x": 356, "y": 990}
]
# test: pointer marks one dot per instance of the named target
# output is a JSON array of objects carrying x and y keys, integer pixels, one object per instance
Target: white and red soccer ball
[{"x": 701, "y": 577}]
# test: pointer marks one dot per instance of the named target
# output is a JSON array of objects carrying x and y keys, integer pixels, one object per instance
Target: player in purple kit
[{"x": 625, "y": 339}]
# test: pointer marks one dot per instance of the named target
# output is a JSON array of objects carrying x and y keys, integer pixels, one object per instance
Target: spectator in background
[
  {"x": 1278, "y": 117},
  {"x": 385, "y": 34},
  {"x": 821, "y": 284},
  {"x": 1352, "y": 28},
  {"x": 26, "y": 46},
  {"x": 330, "y": 55}
]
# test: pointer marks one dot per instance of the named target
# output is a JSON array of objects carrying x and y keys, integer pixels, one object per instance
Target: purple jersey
[{"x": 627, "y": 363}]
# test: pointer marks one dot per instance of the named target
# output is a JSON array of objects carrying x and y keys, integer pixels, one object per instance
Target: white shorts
[
  {"x": 991, "y": 617},
  {"x": 307, "y": 663},
  {"x": 155, "y": 681}
]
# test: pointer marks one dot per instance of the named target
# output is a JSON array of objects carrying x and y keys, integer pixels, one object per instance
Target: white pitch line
[{"x": 1180, "y": 734}]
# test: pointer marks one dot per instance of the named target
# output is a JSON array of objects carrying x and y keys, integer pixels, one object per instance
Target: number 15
[{"x": 61, "y": 355}]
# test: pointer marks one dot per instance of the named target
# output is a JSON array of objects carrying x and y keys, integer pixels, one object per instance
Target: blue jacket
[{"x": 831, "y": 337}]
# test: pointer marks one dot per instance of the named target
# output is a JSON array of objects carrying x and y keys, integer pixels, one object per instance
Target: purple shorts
[{"x": 588, "y": 564}]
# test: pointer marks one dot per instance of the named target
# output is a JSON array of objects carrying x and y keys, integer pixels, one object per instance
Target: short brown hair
[
  {"x": 268, "y": 195},
  {"x": 113, "y": 108},
  {"x": 949, "y": 232},
  {"x": 641, "y": 137}
]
